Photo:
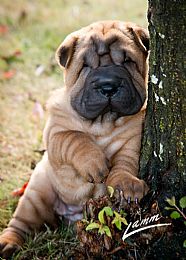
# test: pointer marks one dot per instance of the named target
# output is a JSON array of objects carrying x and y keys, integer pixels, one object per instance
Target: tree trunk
[
  {"x": 162, "y": 156},
  {"x": 162, "y": 159}
]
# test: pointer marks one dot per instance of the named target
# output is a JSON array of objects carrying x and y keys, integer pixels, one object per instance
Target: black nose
[
  {"x": 107, "y": 86},
  {"x": 108, "y": 90}
]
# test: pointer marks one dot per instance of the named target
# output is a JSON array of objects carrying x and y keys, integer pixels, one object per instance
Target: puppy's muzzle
[{"x": 107, "y": 89}]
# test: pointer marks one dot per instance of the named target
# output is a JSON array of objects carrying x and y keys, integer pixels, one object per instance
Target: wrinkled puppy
[{"x": 93, "y": 133}]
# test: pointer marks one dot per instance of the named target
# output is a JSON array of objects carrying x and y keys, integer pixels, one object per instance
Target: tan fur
[{"x": 81, "y": 154}]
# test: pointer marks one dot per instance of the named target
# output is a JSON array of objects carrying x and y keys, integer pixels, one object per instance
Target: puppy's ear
[
  {"x": 65, "y": 51},
  {"x": 141, "y": 37}
]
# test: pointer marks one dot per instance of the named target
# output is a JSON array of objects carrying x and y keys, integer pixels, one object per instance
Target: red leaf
[
  {"x": 8, "y": 74},
  {"x": 17, "y": 53},
  {"x": 20, "y": 191},
  {"x": 3, "y": 29}
]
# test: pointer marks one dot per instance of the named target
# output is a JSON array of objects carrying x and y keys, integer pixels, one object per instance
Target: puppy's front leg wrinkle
[{"x": 77, "y": 149}]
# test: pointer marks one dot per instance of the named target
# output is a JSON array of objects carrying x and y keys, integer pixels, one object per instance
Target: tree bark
[
  {"x": 162, "y": 157},
  {"x": 162, "y": 162}
]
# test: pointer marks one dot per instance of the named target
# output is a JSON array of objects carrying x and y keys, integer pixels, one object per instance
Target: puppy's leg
[
  {"x": 73, "y": 191},
  {"x": 72, "y": 188},
  {"x": 125, "y": 166},
  {"x": 79, "y": 150},
  {"x": 34, "y": 208}
]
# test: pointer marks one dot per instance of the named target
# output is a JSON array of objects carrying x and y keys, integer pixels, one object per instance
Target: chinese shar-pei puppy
[{"x": 93, "y": 133}]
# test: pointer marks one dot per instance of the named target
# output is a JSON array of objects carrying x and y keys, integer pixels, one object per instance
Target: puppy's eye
[
  {"x": 128, "y": 59},
  {"x": 85, "y": 65}
]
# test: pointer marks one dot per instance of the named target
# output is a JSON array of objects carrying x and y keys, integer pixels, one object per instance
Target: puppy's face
[{"x": 105, "y": 68}]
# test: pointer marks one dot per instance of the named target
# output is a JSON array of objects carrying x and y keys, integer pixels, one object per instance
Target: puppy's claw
[
  {"x": 121, "y": 197},
  {"x": 128, "y": 200}
]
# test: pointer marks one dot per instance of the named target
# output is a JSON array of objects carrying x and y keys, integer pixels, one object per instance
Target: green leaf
[
  {"x": 124, "y": 221},
  {"x": 117, "y": 222},
  {"x": 184, "y": 243},
  {"x": 92, "y": 225},
  {"x": 85, "y": 221},
  {"x": 101, "y": 230},
  {"x": 184, "y": 223},
  {"x": 110, "y": 191},
  {"x": 101, "y": 216},
  {"x": 175, "y": 215},
  {"x": 171, "y": 201},
  {"x": 117, "y": 214},
  {"x": 107, "y": 231},
  {"x": 169, "y": 208},
  {"x": 183, "y": 202},
  {"x": 122, "y": 212},
  {"x": 108, "y": 211}
]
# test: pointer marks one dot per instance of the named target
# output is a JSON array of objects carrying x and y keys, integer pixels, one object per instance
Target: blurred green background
[{"x": 30, "y": 32}]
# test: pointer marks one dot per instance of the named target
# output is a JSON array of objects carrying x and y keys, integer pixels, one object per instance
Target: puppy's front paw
[
  {"x": 10, "y": 242},
  {"x": 93, "y": 166},
  {"x": 133, "y": 188}
]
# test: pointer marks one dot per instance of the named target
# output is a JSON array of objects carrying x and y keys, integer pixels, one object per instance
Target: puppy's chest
[{"x": 112, "y": 142}]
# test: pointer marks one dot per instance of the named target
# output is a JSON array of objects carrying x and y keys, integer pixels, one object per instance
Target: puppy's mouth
[{"x": 107, "y": 89}]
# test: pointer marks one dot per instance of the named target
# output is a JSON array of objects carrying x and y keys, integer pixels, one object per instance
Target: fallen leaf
[
  {"x": 20, "y": 191},
  {"x": 3, "y": 29},
  {"x": 8, "y": 74},
  {"x": 17, "y": 53}
]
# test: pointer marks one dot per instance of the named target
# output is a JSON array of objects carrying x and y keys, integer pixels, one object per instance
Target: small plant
[
  {"x": 101, "y": 230},
  {"x": 102, "y": 227},
  {"x": 177, "y": 211},
  {"x": 101, "y": 224}
]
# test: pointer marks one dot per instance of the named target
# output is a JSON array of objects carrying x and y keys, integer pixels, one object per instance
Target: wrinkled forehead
[
  {"x": 104, "y": 34},
  {"x": 105, "y": 43},
  {"x": 102, "y": 44}
]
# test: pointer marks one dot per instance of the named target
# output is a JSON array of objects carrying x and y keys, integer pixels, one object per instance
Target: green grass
[
  {"x": 36, "y": 28},
  {"x": 49, "y": 244}
]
